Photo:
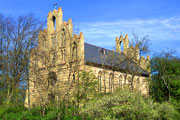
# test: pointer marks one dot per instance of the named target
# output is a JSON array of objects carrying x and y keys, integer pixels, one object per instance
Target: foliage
[
  {"x": 87, "y": 87},
  {"x": 165, "y": 84},
  {"x": 125, "y": 104},
  {"x": 122, "y": 104}
]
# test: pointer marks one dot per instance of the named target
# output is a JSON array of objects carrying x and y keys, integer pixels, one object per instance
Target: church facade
[{"x": 61, "y": 55}]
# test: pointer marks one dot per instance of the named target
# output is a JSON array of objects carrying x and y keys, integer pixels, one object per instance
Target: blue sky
[{"x": 102, "y": 20}]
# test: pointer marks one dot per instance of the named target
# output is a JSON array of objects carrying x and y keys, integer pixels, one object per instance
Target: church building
[{"x": 59, "y": 57}]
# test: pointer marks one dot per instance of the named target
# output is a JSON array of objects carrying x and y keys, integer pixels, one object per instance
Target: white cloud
[{"x": 159, "y": 29}]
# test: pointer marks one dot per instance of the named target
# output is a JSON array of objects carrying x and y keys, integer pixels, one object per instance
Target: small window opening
[
  {"x": 120, "y": 80},
  {"x": 121, "y": 46},
  {"x": 63, "y": 38},
  {"x": 74, "y": 51},
  {"x": 103, "y": 51},
  {"x": 74, "y": 78},
  {"x": 111, "y": 83},
  {"x": 52, "y": 78},
  {"x": 130, "y": 82},
  {"x": 99, "y": 81},
  {"x": 54, "y": 22}
]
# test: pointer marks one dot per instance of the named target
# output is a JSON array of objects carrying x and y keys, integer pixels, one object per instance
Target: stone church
[{"x": 61, "y": 55}]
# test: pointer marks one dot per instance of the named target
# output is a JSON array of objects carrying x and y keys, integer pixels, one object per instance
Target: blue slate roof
[{"x": 101, "y": 56}]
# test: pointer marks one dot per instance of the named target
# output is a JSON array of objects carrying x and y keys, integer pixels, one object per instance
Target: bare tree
[{"x": 17, "y": 38}]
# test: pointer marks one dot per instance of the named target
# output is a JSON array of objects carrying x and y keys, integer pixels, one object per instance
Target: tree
[
  {"x": 17, "y": 37},
  {"x": 165, "y": 83}
]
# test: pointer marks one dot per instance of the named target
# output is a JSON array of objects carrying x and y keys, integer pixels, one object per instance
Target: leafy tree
[{"x": 165, "y": 83}]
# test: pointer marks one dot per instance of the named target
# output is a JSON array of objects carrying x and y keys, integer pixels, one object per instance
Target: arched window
[
  {"x": 52, "y": 78},
  {"x": 121, "y": 46},
  {"x": 44, "y": 43},
  {"x": 63, "y": 38},
  {"x": 120, "y": 80},
  {"x": 64, "y": 54},
  {"x": 111, "y": 82},
  {"x": 130, "y": 82},
  {"x": 53, "y": 41},
  {"x": 99, "y": 81},
  {"x": 137, "y": 83},
  {"x": 104, "y": 81},
  {"x": 74, "y": 51},
  {"x": 54, "y": 22},
  {"x": 54, "y": 56},
  {"x": 74, "y": 78}
]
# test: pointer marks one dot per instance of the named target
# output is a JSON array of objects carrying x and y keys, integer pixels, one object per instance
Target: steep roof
[{"x": 101, "y": 56}]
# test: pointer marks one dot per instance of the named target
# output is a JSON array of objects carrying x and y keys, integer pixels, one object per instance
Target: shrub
[{"x": 127, "y": 105}]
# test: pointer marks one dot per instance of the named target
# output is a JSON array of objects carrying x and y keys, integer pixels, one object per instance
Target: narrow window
[
  {"x": 99, "y": 81},
  {"x": 54, "y": 22},
  {"x": 104, "y": 79},
  {"x": 63, "y": 38},
  {"x": 121, "y": 46},
  {"x": 53, "y": 41},
  {"x": 130, "y": 82},
  {"x": 120, "y": 81},
  {"x": 74, "y": 52},
  {"x": 44, "y": 43},
  {"x": 137, "y": 83},
  {"x": 111, "y": 83},
  {"x": 64, "y": 54},
  {"x": 74, "y": 78},
  {"x": 52, "y": 78},
  {"x": 54, "y": 57}
]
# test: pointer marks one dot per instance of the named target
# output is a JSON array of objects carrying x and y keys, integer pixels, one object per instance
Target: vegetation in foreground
[{"x": 122, "y": 104}]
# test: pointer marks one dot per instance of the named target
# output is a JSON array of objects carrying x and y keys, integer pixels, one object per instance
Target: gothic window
[
  {"x": 120, "y": 80},
  {"x": 53, "y": 41},
  {"x": 52, "y": 78},
  {"x": 54, "y": 56},
  {"x": 63, "y": 38},
  {"x": 74, "y": 78},
  {"x": 121, "y": 46},
  {"x": 44, "y": 43},
  {"x": 54, "y": 22},
  {"x": 137, "y": 83},
  {"x": 104, "y": 80},
  {"x": 99, "y": 80},
  {"x": 74, "y": 51},
  {"x": 130, "y": 82},
  {"x": 62, "y": 55},
  {"x": 111, "y": 82}
]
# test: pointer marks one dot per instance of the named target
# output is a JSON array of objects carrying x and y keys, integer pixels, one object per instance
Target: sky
[{"x": 102, "y": 20}]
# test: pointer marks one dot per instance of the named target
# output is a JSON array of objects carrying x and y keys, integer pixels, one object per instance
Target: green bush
[{"x": 127, "y": 105}]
